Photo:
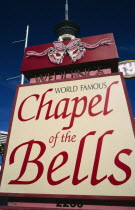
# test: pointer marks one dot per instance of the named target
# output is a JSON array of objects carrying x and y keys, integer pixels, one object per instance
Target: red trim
[{"x": 92, "y": 197}]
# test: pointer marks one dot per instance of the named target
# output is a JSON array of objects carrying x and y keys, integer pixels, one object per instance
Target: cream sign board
[{"x": 71, "y": 139}]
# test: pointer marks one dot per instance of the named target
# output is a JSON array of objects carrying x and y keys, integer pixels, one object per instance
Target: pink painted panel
[
  {"x": 60, "y": 77},
  {"x": 49, "y": 206}
]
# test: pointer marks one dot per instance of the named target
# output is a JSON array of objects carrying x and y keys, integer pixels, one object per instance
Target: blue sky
[{"x": 94, "y": 17}]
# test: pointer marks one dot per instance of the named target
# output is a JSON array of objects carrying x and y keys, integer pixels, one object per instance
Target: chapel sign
[{"x": 73, "y": 139}]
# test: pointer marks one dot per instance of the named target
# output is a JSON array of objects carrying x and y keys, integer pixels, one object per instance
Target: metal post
[
  {"x": 66, "y": 10},
  {"x": 26, "y": 44}
]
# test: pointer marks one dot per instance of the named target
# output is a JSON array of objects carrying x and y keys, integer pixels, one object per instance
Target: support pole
[
  {"x": 26, "y": 44},
  {"x": 66, "y": 10}
]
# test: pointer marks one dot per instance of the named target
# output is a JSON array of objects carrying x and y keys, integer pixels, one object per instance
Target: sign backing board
[
  {"x": 93, "y": 52},
  {"x": 71, "y": 139}
]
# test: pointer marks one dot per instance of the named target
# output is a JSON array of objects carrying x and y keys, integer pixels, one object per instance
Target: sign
[
  {"x": 72, "y": 75},
  {"x": 127, "y": 68},
  {"x": 95, "y": 51},
  {"x": 71, "y": 139}
]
